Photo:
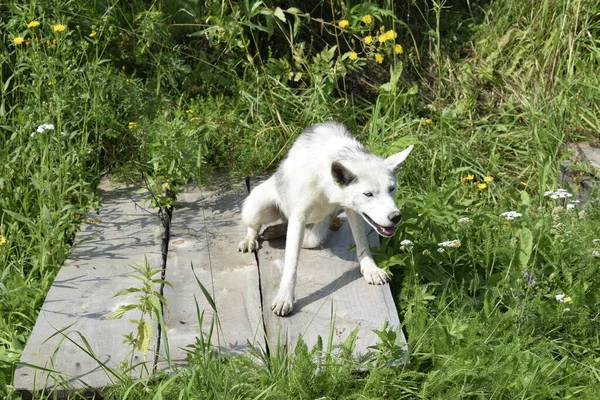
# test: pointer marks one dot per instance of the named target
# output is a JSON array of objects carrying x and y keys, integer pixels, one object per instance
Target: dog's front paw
[
  {"x": 248, "y": 245},
  {"x": 375, "y": 276},
  {"x": 282, "y": 305}
]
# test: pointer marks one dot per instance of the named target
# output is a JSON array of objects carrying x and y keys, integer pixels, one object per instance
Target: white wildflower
[
  {"x": 441, "y": 250},
  {"x": 45, "y": 127},
  {"x": 596, "y": 241},
  {"x": 572, "y": 204},
  {"x": 42, "y": 128},
  {"x": 563, "y": 298},
  {"x": 558, "y": 194},
  {"x": 406, "y": 244},
  {"x": 567, "y": 309},
  {"x": 465, "y": 220},
  {"x": 596, "y": 253},
  {"x": 450, "y": 243},
  {"x": 511, "y": 215}
]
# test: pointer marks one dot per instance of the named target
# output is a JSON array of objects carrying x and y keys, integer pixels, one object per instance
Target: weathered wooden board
[
  {"x": 592, "y": 154},
  {"x": 120, "y": 235},
  {"x": 328, "y": 279},
  {"x": 205, "y": 231}
]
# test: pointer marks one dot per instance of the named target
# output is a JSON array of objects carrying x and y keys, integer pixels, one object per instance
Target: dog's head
[{"x": 368, "y": 187}]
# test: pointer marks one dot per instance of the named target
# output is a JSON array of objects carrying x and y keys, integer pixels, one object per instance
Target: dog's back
[
  {"x": 308, "y": 163},
  {"x": 323, "y": 143}
]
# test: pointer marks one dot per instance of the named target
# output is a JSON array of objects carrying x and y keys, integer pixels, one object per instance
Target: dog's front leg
[
  {"x": 284, "y": 301},
  {"x": 372, "y": 273}
]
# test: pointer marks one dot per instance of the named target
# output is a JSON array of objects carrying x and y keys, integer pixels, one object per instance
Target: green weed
[{"x": 490, "y": 93}]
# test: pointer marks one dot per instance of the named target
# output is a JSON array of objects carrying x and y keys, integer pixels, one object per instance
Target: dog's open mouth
[{"x": 386, "y": 231}]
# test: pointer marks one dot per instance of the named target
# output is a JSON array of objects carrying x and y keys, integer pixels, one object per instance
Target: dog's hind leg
[
  {"x": 261, "y": 207},
  {"x": 315, "y": 234}
]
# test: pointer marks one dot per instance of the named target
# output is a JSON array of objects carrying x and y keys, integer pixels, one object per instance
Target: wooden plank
[
  {"x": 206, "y": 229},
  {"x": 592, "y": 154},
  {"x": 328, "y": 279},
  {"x": 81, "y": 299}
]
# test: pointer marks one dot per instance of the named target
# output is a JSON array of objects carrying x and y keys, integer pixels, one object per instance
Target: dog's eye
[
  {"x": 368, "y": 194},
  {"x": 391, "y": 189}
]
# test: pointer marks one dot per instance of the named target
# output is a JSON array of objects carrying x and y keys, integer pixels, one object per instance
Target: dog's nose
[{"x": 395, "y": 217}]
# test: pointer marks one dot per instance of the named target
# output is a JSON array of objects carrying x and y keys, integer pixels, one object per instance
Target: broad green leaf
[
  {"x": 525, "y": 246},
  {"x": 279, "y": 14}
]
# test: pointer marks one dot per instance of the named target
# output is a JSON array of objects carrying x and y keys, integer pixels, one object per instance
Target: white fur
[{"x": 325, "y": 170}]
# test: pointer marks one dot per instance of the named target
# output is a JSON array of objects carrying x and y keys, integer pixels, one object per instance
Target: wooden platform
[{"x": 75, "y": 346}]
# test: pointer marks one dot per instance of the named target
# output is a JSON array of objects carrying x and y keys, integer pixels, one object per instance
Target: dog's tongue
[{"x": 388, "y": 230}]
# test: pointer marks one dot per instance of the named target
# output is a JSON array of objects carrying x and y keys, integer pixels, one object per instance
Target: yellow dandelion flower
[
  {"x": 18, "y": 40},
  {"x": 2, "y": 240},
  {"x": 128, "y": 81},
  {"x": 427, "y": 121},
  {"x": 51, "y": 83},
  {"x": 389, "y": 35},
  {"x": 488, "y": 179},
  {"x": 26, "y": 44},
  {"x": 48, "y": 42},
  {"x": 353, "y": 56},
  {"x": 33, "y": 24},
  {"x": 344, "y": 23},
  {"x": 59, "y": 28},
  {"x": 93, "y": 34},
  {"x": 368, "y": 39},
  {"x": 132, "y": 125},
  {"x": 481, "y": 186},
  {"x": 189, "y": 111},
  {"x": 54, "y": 41},
  {"x": 398, "y": 49},
  {"x": 367, "y": 19},
  {"x": 568, "y": 299},
  {"x": 378, "y": 58},
  {"x": 468, "y": 178}
]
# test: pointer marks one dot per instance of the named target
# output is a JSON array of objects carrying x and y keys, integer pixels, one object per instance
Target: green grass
[{"x": 174, "y": 90}]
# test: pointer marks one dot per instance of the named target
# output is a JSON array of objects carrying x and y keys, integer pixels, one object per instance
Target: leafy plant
[{"x": 149, "y": 306}]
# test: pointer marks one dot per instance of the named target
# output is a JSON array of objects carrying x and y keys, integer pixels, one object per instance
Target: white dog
[{"x": 325, "y": 170}]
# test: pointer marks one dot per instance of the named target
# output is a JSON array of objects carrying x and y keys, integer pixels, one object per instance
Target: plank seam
[
  {"x": 260, "y": 289},
  {"x": 166, "y": 216}
]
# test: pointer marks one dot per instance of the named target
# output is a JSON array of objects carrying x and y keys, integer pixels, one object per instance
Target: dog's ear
[
  {"x": 342, "y": 176},
  {"x": 395, "y": 161}
]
